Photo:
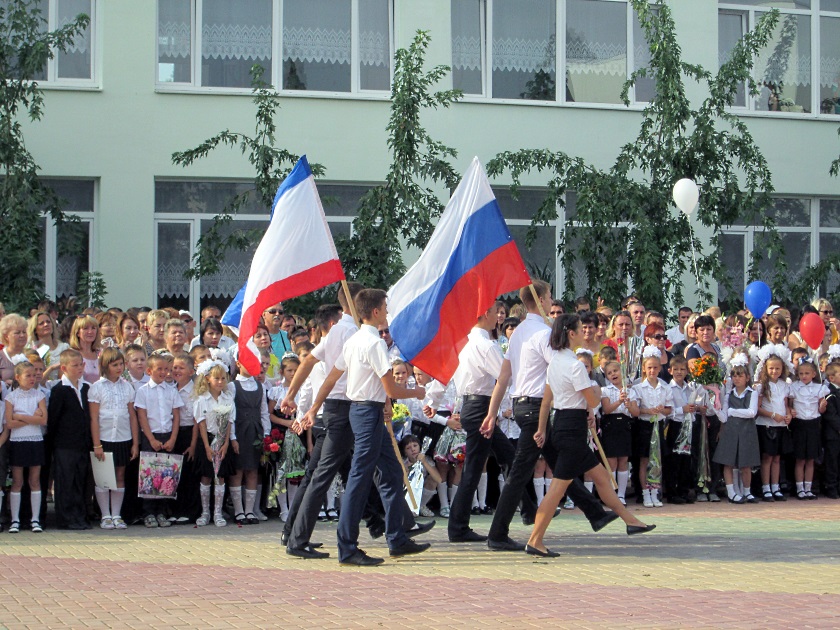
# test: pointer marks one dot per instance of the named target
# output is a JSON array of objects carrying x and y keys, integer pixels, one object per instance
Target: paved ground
[{"x": 709, "y": 566}]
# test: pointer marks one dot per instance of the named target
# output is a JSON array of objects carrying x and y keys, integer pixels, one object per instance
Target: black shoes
[
  {"x": 361, "y": 559},
  {"x": 284, "y": 539},
  {"x": 602, "y": 522},
  {"x": 408, "y": 548},
  {"x": 639, "y": 529},
  {"x": 505, "y": 545},
  {"x": 420, "y": 528},
  {"x": 548, "y": 553},
  {"x": 468, "y": 536},
  {"x": 307, "y": 553}
]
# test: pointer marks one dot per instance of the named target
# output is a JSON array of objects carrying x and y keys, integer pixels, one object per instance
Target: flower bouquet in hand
[
  {"x": 270, "y": 446},
  {"x": 706, "y": 371},
  {"x": 222, "y": 414},
  {"x": 400, "y": 415}
]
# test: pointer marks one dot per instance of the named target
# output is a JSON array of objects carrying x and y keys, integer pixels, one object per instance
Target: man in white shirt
[
  {"x": 677, "y": 333},
  {"x": 524, "y": 368},
  {"x": 370, "y": 381},
  {"x": 393, "y": 350}
]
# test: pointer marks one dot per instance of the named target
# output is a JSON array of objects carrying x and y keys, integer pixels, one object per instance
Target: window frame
[
  {"x": 195, "y": 86},
  {"x": 53, "y": 81}
]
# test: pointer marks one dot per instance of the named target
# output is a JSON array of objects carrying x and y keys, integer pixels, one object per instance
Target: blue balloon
[{"x": 757, "y": 297}]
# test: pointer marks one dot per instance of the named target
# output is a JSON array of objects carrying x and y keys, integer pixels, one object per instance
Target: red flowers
[
  {"x": 274, "y": 448},
  {"x": 276, "y": 434}
]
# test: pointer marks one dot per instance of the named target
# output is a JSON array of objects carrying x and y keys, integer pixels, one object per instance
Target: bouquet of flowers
[
  {"x": 159, "y": 475},
  {"x": 629, "y": 357},
  {"x": 270, "y": 445},
  {"x": 222, "y": 414},
  {"x": 707, "y": 372}
]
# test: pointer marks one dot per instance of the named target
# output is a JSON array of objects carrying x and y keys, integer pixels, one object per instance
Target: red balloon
[{"x": 812, "y": 329}]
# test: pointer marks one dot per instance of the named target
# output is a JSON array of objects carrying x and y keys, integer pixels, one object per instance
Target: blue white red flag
[
  {"x": 295, "y": 256},
  {"x": 470, "y": 260}
]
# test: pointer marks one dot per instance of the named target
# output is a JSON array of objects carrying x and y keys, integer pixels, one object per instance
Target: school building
[{"x": 152, "y": 77}]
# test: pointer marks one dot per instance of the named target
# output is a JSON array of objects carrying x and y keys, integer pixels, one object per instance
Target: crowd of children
[{"x": 736, "y": 408}]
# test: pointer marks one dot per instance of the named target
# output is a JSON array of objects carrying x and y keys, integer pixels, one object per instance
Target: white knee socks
[
  {"x": 35, "y": 502},
  {"x": 482, "y": 491},
  {"x": 539, "y": 488},
  {"x": 204, "y": 492},
  {"x": 236, "y": 499},
  {"x": 117, "y": 496},
  {"x": 14, "y": 505},
  {"x": 621, "y": 477},
  {"x": 453, "y": 490},
  {"x": 427, "y": 496},
  {"x": 219, "y": 496},
  {"x": 250, "y": 497},
  {"x": 443, "y": 494},
  {"x": 103, "y": 498}
]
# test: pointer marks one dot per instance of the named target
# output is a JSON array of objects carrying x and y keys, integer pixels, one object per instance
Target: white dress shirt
[
  {"x": 651, "y": 396},
  {"x": 750, "y": 412},
  {"x": 365, "y": 361},
  {"x": 674, "y": 335},
  {"x": 479, "y": 364},
  {"x": 330, "y": 348},
  {"x": 113, "y": 399},
  {"x": 806, "y": 398},
  {"x": 683, "y": 395},
  {"x": 158, "y": 399},
  {"x": 779, "y": 392},
  {"x": 529, "y": 354},
  {"x": 567, "y": 378},
  {"x": 138, "y": 384},
  {"x": 612, "y": 393},
  {"x": 26, "y": 403},
  {"x": 187, "y": 394},
  {"x": 207, "y": 409}
]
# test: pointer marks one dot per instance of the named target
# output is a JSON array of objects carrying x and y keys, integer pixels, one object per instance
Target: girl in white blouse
[{"x": 114, "y": 428}]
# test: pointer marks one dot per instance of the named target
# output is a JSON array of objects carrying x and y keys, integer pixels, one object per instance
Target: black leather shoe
[
  {"x": 361, "y": 559},
  {"x": 307, "y": 553},
  {"x": 420, "y": 528},
  {"x": 409, "y": 547},
  {"x": 505, "y": 545},
  {"x": 602, "y": 522},
  {"x": 284, "y": 539},
  {"x": 476, "y": 511},
  {"x": 639, "y": 529},
  {"x": 468, "y": 536},
  {"x": 548, "y": 553},
  {"x": 377, "y": 531},
  {"x": 527, "y": 520}
]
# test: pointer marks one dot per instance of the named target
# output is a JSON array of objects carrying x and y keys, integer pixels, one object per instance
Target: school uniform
[
  {"x": 209, "y": 410},
  {"x": 442, "y": 400},
  {"x": 26, "y": 444},
  {"x": 650, "y": 396},
  {"x": 252, "y": 423},
  {"x": 187, "y": 503},
  {"x": 68, "y": 423},
  {"x": 805, "y": 427},
  {"x": 677, "y": 472},
  {"x": 738, "y": 445},
  {"x": 616, "y": 434},
  {"x": 773, "y": 435},
  {"x": 113, "y": 399},
  {"x": 831, "y": 442}
]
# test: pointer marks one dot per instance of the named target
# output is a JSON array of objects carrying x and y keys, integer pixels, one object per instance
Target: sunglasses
[
  {"x": 189, "y": 320},
  {"x": 660, "y": 337},
  {"x": 827, "y": 312},
  {"x": 385, "y": 331},
  {"x": 276, "y": 311}
]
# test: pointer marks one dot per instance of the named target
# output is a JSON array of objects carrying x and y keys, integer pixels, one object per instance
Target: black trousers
[
  {"x": 677, "y": 471},
  {"x": 319, "y": 434},
  {"x": 188, "y": 500},
  {"x": 335, "y": 451},
  {"x": 70, "y": 471},
  {"x": 831, "y": 462},
  {"x": 527, "y": 416},
  {"x": 155, "y": 506},
  {"x": 478, "y": 450}
]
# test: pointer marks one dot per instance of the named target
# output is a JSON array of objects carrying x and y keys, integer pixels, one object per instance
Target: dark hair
[
  {"x": 684, "y": 309},
  {"x": 327, "y": 314},
  {"x": 510, "y": 321},
  {"x": 704, "y": 321},
  {"x": 210, "y": 322},
  {"x": 588, "y": 317},
  {"x": 582, "y": 300},
  {"x": 406, "y": 440},
  {"x": 367, "y": 300},
  {"x": 353, "y": 288},
  {"x": 560, "y": 330}
]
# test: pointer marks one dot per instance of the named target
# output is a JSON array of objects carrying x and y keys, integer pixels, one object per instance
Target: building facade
[{"x": 154, "y": 77}]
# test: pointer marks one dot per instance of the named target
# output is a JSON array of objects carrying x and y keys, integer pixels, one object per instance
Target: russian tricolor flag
[
  {"x": 470, "y": 260},
  {"x": 295, "y": 256}
]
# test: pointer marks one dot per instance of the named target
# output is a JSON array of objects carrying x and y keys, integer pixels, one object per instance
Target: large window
[
  {"x": 809, "y": 228},
  {"x": 511, "y": 49},
  {"x": 184, "y": 210},
  {"x": 324, "y": 45},
  {"x": 799, "y": 70},
  {"x": 76, "y": 66}
]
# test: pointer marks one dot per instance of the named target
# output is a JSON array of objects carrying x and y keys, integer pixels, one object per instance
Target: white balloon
[{"x": 686, "y": 196}]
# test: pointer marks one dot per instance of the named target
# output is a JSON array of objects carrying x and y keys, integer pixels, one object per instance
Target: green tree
[
  {"x": 402, "y": 209},
  {"x": 25, "y": 48},
  {"x": 271, "y": 164},
  {"x": 625, "y": 225}
]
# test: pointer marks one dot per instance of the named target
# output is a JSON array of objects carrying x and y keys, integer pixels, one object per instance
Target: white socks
[
  {"x": 103, "y": 498},
  {"x": 427, "y": 496},
  {"x": 539, "y": 488},
  {"x": 589, "y": 485},
  {"x": 35, "y": 502},
  {"x": 250, "y": 497},
  {"x": 808, "y": 486},
  {"x": 14, "y": 505},
  {"x": 622, "y": 477},
  {"x": 482, "y": 490},
  {"x": 443, "y": 495},
  {"x": 775, "y": 488},
  {"x": 453, "y": 489},
  {"x": 501, "y": 482},
  {"x": 117, "y": 497},
  {"x": 219, "y": 496},
  {"x": 204, "y": 492},
  {"x": 730, "y": 490},
  {"x": 236, "y": 499}
]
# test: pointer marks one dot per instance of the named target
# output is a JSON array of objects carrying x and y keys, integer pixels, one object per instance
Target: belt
[
  {"x": 527, "y": 400},
  {"x": 369, "y": 403},
  {"x": 476, "y": 398},
  {"x": 337, "y": 402}
]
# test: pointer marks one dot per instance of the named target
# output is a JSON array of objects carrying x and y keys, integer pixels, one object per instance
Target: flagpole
[
  {"x": 352, "y": 306},
  {"x": 592, "y": 431}
]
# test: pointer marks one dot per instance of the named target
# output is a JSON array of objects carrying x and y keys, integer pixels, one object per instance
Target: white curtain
[
  {"x": 596, "y": 38},
  {"x": 523, "y": 35},
  {"x": 236, "y": 30},
  {"x": 317, "y": 31}
]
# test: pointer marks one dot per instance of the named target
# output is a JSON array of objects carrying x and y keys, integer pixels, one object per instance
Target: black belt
[
  {"x": 527, "y": 400},
  {"x": 476, "y": 398},
  {"x": 369, "y": 403},
  {"x": 337, "y": 402}
]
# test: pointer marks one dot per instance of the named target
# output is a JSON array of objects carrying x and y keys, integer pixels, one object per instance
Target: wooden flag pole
[
  {"x": 592, "y": 431},
  {"x": 352, "y": 306}
]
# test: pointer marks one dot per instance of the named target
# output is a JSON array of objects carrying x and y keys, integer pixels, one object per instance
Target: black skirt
[
  {"x": 806, "y": 438},
  {"x": 569, "y": 436},
  {"x": 249, "y": 455},
  {"x": 26, "y": 454},
  {"x": 616, "y": 435},
  {"x": 205, "y": 466},
  {"x": 120, "y": 450},
  {"x": 774, "y": 441},
  {"x": 645, "y": 431}
]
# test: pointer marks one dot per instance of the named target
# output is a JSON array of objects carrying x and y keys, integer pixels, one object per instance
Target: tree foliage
[
  {"x": 624, "y": 224},
  {"x": 25, "y": 48},
  {"x": 404, "y": 206},
  {"x": 271, "y": 164}
]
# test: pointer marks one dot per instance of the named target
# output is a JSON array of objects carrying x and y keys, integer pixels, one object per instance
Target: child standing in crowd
[
  {"x": 831, "y": 432},
  {"x": 679, "y": 478},
  {"x": 656, "y": 401},
  {"x": 187, "y": 506},
  {"x": 738, "y": 445},
  {"x": 135, "y": 357},
  {"x": 158, "y": 408},
  {"x": 113, "y": 426},
  {"x": 215, "y": 415},
  {"x": 808, "y": 395},
  {"x": 68, "y": 424},
  {"x": 774, "y": 416},
  {"x": 293, "y": 451},
  {"x": 617, "y": 405},
  {"x": 411, "y": 450},
  {"x": 26, "y": 413}
]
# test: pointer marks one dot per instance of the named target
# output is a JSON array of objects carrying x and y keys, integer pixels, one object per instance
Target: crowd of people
[{"x": 564, "y": 407}]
